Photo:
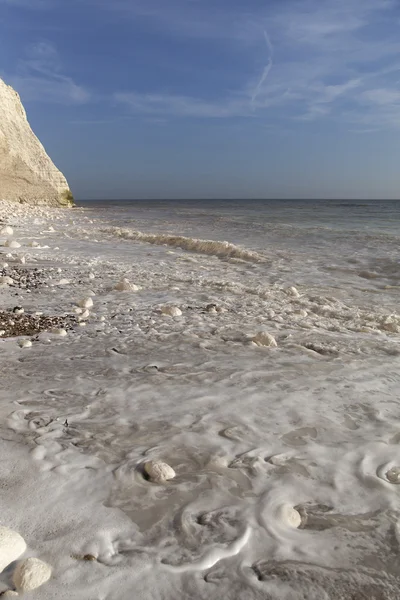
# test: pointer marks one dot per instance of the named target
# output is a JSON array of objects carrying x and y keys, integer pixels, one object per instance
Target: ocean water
[{"x": 311, "y": 423}]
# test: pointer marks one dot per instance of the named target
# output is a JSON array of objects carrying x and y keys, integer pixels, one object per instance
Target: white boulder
[
  {"x": 7, "y": 230},
  {"x": 289, "y": 516},
  {"x": 262, "y": 338},
  {"x": 126, "y": 286},
  {"x": 12, "y": 545},
  {"x": 86, "y": 303},
  {"x": 12, "y": 244},
  {"x": 293, "y": 292},
  {"x": 158, "y": 471},
  {"x": 171, "y": 311},
  {"x": 31, "y": 574},
  {"x": 25, "y": 344}
]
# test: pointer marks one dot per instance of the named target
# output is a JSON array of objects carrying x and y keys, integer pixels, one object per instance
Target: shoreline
[{"x": 251, "y": 429}]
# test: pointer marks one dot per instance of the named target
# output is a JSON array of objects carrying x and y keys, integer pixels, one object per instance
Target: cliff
[{"x": 27, "y": 174}]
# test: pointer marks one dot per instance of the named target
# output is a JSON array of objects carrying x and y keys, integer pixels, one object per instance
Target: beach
[{"x": 263, "y": 369}]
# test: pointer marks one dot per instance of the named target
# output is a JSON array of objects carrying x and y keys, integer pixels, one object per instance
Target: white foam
[{"x": 210, "y": 247}]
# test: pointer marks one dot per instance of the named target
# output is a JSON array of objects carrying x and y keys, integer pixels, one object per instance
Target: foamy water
[{"x": 250, "y": 430}]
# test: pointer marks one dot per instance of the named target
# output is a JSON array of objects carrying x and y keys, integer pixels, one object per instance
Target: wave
[{"x": 210, "y": 247}]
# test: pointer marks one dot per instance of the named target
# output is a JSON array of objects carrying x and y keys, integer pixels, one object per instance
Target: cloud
[
  {"x": 39, "y": 77},
  {"x": 181, "y": 106},
  {"x": 325, "y": 59}
]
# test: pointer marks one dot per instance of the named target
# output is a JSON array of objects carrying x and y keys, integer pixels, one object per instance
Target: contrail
[{"x": 266, "y": 70}]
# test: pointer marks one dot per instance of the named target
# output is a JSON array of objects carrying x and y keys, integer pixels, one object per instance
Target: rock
[
  {"x": 158, "y": 471},
  {"x": 393, "y": 475},
  {"x": 12, "y": 545},
  {"x": 171, "y": 311},
  {"x": 7, "y": 230},
  {"x": 27, "y": 174},
  {"x": 7, "y": 280},
  {"x": 9, "y": 593},
  {"x": 86, "y": 303},
  {"x": 18, "y": 310},
  {"x": 289, "y": 516},
  {"x": 293, "y": 292},
  {"x": 126, "y": 286},
  {"x": 31, "y": 574},
  {"x": 25, "y": 343},
  {"x": 63, "y": 282},
  {"x": 92, "y": 275},
  {"x": 265, "y": 339},
  {"x": 78, "y": 310},
  {"x": 61, "y": 332},
  {"x": 12, "y": 244},
  {"x": 34, "y": 244},
  {"x": 85, "y": 314}
]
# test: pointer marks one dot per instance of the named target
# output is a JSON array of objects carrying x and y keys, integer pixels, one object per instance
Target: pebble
[
  {"x": 63, "y": 282},
  {"x": 7, "y": 230},
  {"x": 18, "y": 310},
  {"x": 265, "y": 339},
  {"x": 158, "y": 471},
  {"x": 86, "y": 303},
  {"x": 126, "y": 286},
  {"x": 34, "y": 244},
  {"x": 12, "y": 244},
  {"x": 171, "y": 311},
  {"x": 289, "y": 516},
  {"x": 92, "y": 275},
  {"x": 25, "y": 343},
  {"x": 9, "y": 593},
  {"x": 393, "y": 475},
  {"x": 12, "y": 545},
  {"x": 31, "y": 574},
  {"x": 293, "y": 292},
  {"x": 61, "y": 332}
]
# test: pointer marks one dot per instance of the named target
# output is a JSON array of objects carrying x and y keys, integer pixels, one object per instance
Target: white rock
[
  {"x": 158, "y": 471},
  {"x": 5, "y": 265},
  {"x": 25, "y": 343},
  {"x": 31, "y": 574},
  {"x": 289, "y": 516},
  {"x": 34, "y": 244},
  {"x": 12, "y": 244},
  {"x": 9, "y": 593},
  {"x": 393, "y": 475},
  {"x": 12, "y": 545},
  {"x": 265, "y": 339},
  {"x": 7, "y": 280},
  {"x": 22, "y": 260},
  {"x": 2, "y": 332},
  {"x": 126, "y": 286},
  {"x": 102, "y": 318},
  {"x": 92, "y": 275},
  {"x": 7, "y": 230},
  {"x": 293, "y": 292},
  {"x": 18, "y": 310},
  {"x": 171, "y": 311},
  {"x": 85, "y": 314},
  {"x": 78, "y": 311},
  {"x": 60, "y": 332},
  {"x": 63, "y": 282},
  {"x": 86, "y": 303}
]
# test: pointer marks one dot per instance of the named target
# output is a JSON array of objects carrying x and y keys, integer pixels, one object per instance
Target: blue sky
[{"x": 211, "y": 98}]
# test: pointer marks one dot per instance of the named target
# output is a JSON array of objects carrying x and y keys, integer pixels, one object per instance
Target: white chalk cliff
[{"x": 27, "y": 174}]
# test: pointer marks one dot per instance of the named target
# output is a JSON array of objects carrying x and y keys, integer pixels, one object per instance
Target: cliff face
[{"x": 27, "y": 174}]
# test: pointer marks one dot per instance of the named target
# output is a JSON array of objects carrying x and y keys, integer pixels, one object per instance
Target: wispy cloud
[
  {"x": 40, "y": 77},
  {"x": 324, "y": 59}
]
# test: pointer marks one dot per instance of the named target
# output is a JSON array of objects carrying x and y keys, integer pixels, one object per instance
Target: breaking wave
[{"x": 210, "y": 247}]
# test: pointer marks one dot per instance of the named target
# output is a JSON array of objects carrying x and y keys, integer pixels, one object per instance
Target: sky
[{"x": 211, "y": 98}]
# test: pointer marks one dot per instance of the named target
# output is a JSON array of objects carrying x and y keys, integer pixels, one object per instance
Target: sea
[{"x": 254, "y": 347}]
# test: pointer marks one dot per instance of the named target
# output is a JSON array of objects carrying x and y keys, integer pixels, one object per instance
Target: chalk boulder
[
  {"x": 31, "y": 574},
  {"x": 12, "y": 545}
]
